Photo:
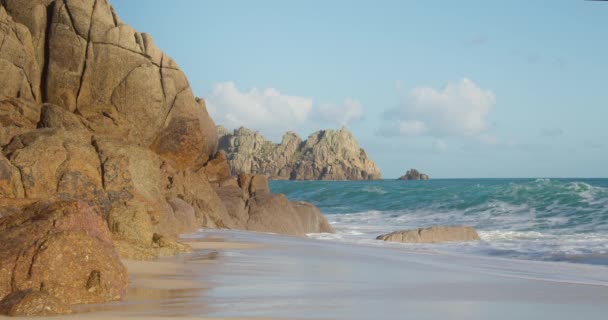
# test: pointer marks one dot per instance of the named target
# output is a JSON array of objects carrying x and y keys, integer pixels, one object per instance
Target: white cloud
[
  {"x": 273, "y": 112},
  {"x": 341, "y": 114},
  {"x": 459, "y": 109},
  {"x": 257, "y": 109}
]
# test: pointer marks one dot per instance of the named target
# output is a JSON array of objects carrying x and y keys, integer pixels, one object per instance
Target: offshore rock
[
  {"x": 413, "y": 174},
  {"x": 325, "y": 155}
]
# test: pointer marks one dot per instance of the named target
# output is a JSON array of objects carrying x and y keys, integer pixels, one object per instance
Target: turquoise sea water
[{"x": 538, "y": 219}]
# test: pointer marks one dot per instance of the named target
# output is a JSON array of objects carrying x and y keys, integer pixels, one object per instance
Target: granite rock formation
[
  {"x": 413, "y": 174},
  {"x": 105, "y": 153},
  {"x": 325, "y": 155},
  {"x": 432, "y": 235}
]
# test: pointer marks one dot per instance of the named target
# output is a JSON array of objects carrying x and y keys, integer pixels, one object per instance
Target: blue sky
[{"x": 453, "y": 88}]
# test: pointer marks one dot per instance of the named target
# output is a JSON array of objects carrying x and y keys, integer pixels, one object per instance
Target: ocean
[{"x": 534, "y": 219}]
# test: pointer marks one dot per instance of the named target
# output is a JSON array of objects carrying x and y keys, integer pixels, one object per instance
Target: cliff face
[
  {"x": 325, "y": 155},
  {"x": 106, "y": 152}
]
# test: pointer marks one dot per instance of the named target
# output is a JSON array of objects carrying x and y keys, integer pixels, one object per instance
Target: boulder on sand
[
  {"x": 63, "y": 249},
  {"x": 432, "y": 235}
]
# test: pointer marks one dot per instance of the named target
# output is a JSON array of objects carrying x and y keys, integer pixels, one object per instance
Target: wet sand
[{"x": 240, "y": 275}]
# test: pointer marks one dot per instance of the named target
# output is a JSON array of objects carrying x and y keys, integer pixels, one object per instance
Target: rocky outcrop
[
  {"x": 325, "y": 155},
  {"x": 432, "y": 235},
  {"x": 105, "y": 152},
  {"x": 413, "y": 174}
]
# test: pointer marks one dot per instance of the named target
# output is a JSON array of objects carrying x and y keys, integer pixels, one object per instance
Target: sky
[{"x": 456, "y": 89}]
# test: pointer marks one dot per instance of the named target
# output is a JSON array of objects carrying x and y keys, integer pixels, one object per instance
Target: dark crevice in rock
[
  {"x": 162, "y": 78},
  {"x": 102, "y": 170},
  {"x": 14, "y": 271},
  {"x": 86, "y": 54},
  {"x": 25, "y": 193},
  {"x": 47, "y": 52}
]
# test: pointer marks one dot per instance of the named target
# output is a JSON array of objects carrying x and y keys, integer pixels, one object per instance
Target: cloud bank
[{"x": 273, "y": 112}]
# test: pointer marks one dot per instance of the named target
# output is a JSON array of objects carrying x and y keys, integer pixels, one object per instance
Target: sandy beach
[{"x": 241, "y": 275}]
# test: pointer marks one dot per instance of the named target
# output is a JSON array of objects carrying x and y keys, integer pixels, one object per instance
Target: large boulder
[
  {"x": 274, "y": 213},
  {"x": 253, "y": 207},
  {"x": 63, "y": 249},
  {"x": 432, "y": 235}
]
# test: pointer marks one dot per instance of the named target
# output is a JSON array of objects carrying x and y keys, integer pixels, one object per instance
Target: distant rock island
[
  {"x": 414, "y": 174},
  {"x": 325, "y": 155}
]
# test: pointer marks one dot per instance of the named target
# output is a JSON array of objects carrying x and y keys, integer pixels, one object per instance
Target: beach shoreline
[{"x": 244, "y": 275}]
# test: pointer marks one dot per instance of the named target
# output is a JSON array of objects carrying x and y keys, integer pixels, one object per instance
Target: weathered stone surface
[
  {"x": 69, "y": 171},
  {"x": 276, "y": 214},
  {"x": 52, "y": 116},
  {"x": 18, "y": 66},
  {"x": 193, "y": 187},
  {"x": 10, "y": 179},
  {"x": 253, "y": 207},
  {"x": 432, "y": 235},
  {"x": 326, "y": 155},
  {"x": 30, "y": 303},
  {"x": 83, "y": 59},
  {"x": 63, "y": 249},
  {"x": 138, "y": 211},
  {"x": 179, "y": 220},
  {"x": 217, "y": 169},
  {"x": 17, "y": 116},
  {"x": 310, "y": 218},
  {"x": 413, "y": 174}
]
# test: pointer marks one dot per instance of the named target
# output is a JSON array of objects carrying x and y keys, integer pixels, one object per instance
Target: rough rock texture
[
  {"x": 413, "y": 174},
  {"x": 63, "y": 249},
  {"x": 251, "y": 206},
  {"x": 326, "y": 155},
  {"x": 432, "y": 235},
  {"x": 104, "y": 149},
  {"x": 30, "y": 303},
  {"x": 77, "y": 55}
]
